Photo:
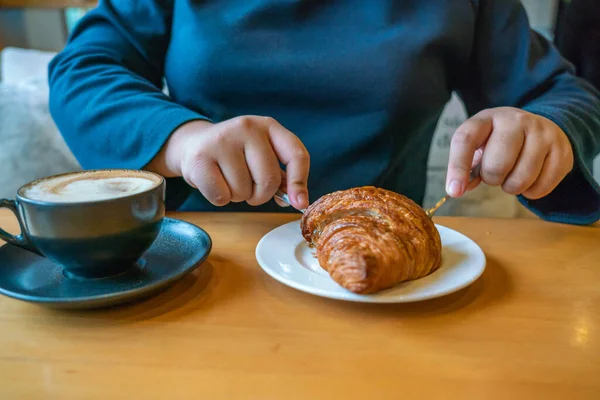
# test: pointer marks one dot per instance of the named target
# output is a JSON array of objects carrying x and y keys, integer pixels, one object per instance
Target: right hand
[{"x": 238, "y": 160}]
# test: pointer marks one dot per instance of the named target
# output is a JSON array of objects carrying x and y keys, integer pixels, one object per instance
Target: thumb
[
  {"x": 283, "y": 188},
  {"x": 476, "y": 179}
]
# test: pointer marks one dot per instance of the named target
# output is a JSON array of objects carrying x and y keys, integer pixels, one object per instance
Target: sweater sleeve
[
  {"x": 105, "y": 86},
  {"x": 511, "y": 65}
]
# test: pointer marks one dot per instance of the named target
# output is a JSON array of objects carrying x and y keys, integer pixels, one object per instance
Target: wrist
[
  {"x": 176, "y": 144},
  {"x": 168, "y": 161}
]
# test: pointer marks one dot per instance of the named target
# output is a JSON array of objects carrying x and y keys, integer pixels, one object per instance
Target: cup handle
[{"x": 20, "y": 240}]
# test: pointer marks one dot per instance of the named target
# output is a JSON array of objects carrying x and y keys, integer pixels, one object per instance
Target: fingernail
[
  {"x": 454, "y": 188},
  {"x": 301, "y": 198},
  {"x": 281, "y": 203}
]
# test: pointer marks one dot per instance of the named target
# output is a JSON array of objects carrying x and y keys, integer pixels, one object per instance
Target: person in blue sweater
[{"x": 318, "y": 96}]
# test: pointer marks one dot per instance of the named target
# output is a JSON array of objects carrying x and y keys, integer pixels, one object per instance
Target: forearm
[
  {"x": 110, "y": 116},
  {"x": 105, "y": 86},
  {"x": 574, "y": 105}
]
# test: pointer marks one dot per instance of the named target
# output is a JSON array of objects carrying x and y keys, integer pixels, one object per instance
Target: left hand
[{"x": 522, "y": 152}]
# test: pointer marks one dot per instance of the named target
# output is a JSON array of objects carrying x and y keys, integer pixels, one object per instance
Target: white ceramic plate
[{"x": 284, "y": 255}]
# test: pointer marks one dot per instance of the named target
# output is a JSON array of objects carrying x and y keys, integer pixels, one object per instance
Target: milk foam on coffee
[{"x": 90, "y": 186}]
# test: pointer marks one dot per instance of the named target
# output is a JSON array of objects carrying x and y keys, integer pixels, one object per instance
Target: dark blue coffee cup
[{"x": 90, "y": 239}]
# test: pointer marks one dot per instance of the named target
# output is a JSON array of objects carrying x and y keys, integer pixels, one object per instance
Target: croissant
[{"x": 369, "y": 239}]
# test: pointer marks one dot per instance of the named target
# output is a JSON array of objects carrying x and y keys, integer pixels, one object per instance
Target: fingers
[
  {"x": 555, "y": 167},
  {"x": 527, "y": 168},
  {"x": 469, "y": 137},
  {"x": 264, "y": 169},
  {"x": 206, "y": 176},
  {"x": 237, "y": 176},
  {"x": 476, "y": 161},
  {"x": 292, "y": 153},
  {"x": 524, "y": 153},
  {"x": 501, "y": 151},
  {"x": 239, "y": 160},
  {"x": 477, "y": 157},
  {"x": 281, "y": 203}
]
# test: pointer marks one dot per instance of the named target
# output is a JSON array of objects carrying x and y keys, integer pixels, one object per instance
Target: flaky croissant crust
[{"x": 369, "y": 239}]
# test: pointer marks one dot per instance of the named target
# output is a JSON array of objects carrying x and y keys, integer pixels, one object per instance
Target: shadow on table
[
  {"x": 172, "y": 301},
  {"x": 216, "y": 281},
  {"x": 493, "y": 287}
]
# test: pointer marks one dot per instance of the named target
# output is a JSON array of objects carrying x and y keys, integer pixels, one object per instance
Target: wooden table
[{"x": 528, "y": 328}]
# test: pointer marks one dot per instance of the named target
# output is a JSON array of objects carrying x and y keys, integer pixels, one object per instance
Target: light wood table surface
[{"x": 529, "y": 328}]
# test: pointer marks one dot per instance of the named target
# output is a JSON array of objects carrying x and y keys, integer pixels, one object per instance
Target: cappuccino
[{"x": 90, "y": 186}]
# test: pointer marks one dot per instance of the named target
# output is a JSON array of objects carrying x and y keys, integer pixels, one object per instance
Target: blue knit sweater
[{"x": 361, "y": 82}]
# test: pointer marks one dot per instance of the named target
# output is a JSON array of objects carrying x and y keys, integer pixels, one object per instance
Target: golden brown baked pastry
[{"x": 369, "y": 239}]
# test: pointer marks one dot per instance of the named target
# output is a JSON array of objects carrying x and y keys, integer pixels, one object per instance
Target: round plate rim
[
  {"x": 371, "y": 298},
  {"x": 81, "y": 302}
]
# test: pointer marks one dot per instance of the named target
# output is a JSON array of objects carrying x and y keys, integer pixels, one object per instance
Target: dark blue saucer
[{"x": 179, "y": 248}]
